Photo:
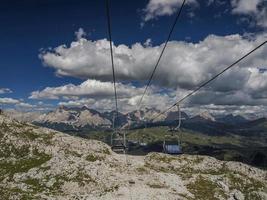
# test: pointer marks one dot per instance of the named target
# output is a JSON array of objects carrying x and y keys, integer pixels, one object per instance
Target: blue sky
[{"x": 32, "y": 26}]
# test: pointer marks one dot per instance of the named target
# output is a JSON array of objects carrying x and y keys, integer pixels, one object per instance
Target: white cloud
[
  {"x": 5, "y": 90},
  {"x": 244, "y": 110},
  {"x": 158, "y": 8},
  {"x": 25, "y": 105},
  {"x": 77, "y": 103},
  {"x": 80, "y": 34},
  {"x": 89, "y": 88},
  {"x": 20, "y": 104},
  {"x": 99, "y": 95},
  {"x": 184, "y": 64},
  {"x": 245, "y": 6},
  {"x": 256, "y": 9},
  {"x": 125, "y": 105},
  {"x": 8, "y": 101},
  {"x": 148, "y": 42},
  {"x": 183, "y": 67}
]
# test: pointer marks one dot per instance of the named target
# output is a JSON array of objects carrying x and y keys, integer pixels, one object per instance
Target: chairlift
[
  {"x": 118, "y": 139},
  {"x": 143, "y": 122},
  {"x": 172, "y": 142}
]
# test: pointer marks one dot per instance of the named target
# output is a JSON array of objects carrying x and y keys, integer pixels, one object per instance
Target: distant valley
[{"x": 226, "y": 137}]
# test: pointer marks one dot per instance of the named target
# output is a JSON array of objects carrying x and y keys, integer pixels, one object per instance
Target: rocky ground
[{"x": 39, "y": 163}]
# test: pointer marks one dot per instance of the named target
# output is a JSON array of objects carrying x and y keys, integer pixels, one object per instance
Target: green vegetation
[
  {"x": 157, "y": 185},
  {"x": 204, "y": 189},
  {"x": 141, "y": 170},
  {"x": 83, "y": 178},
  {"x": 111, "y": 189},
  {"x": 26, "y": 132},
  {"x": 73, "y": 153},
  {"x": 246, "y": 185},
  {"x": 47, "y": 138},
  {"x": 248, "y": 148},
  {"x": 151, "y": 135},
  {"x": 10, "y": 150},
  {"x": 161, "y": 158},
  {"x": 106, "y": 151},
  {"x": 93, "y": 158},
  {"x": 9, "y": 168},
  {"x": 15, "y": 193},
  {"x": 35, "y": 185}
]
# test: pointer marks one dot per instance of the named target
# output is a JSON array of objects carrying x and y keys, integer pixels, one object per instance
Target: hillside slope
[{"x": 39, "y": 163}]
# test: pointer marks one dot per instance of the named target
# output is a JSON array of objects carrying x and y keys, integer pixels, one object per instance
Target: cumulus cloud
[
  {"x": 244, "y": 110},
  {"x": 124, "y": 104},
  {"x": 256, "y": 9},
  {"x": 5, "y": 90},
  {"x": 157, "y": 8},
  {"x": 253, "y": 12},
  {"x": 100, "y": 95},
  {"x": 184, "y": 64},
  {"x": 9, "y": 101},
  {"x": 183, "y": 67},
  {"x": 245, "y": 6},
  {"x": 89, "y": 88},
  {"x": 148, "y": 42},
  {"x": 25, "y": 105},
  {"x": 20, "y": 104}
]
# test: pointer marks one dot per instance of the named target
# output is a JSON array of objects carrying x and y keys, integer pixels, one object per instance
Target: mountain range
[{"x": 84, "y": 119}]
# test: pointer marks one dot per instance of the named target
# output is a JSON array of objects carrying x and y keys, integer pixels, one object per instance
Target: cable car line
[
  {"x": 112, "y": 59},
  {"x": 210, "y": 80},
  {"x": 120, "y": 140},
  {"x": 164, "y": 47},
  {"x": 121, "y": 145}
]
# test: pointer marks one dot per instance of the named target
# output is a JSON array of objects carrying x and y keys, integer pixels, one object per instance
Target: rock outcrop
[{"x": 39, "y": 163}]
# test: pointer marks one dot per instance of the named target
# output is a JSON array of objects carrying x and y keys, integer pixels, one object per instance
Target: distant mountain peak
[
  {"x": 62, "y": 108},
  {"x": 85, "y": 107},
  {"x": 206, "y": 116},
  {"x": 232, "y": 119}
]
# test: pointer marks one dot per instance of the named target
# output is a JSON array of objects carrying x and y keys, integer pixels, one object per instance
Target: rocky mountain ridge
[
  {"x": 85, "y": 117},
  {"x": 40, "y": 163}
]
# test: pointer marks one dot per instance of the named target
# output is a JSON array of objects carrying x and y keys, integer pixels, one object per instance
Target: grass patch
[
  {"x": 106, "y": 151},
  {"x": 93, "y": 158},
  {"x": 47, "y": 138},
  {"x": 110, "y": 189},
  {"x": 73, "y": 153},
  {"x": 9, "y": 168},
  {"x": 82, "y": 178},
  {"x": 161, "y": 158},
  {"x": 10, "y": 150},
  {"x": 15, "y": 193},
  {"x": 204, "y": 189},
  {"x": 248, "y": 186},
  {"x": 35, "y": 185},
  {"x": 156, "y": 185},
  {"x": 141, "y": 170},
  {"x": 27, "y": 134}
]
